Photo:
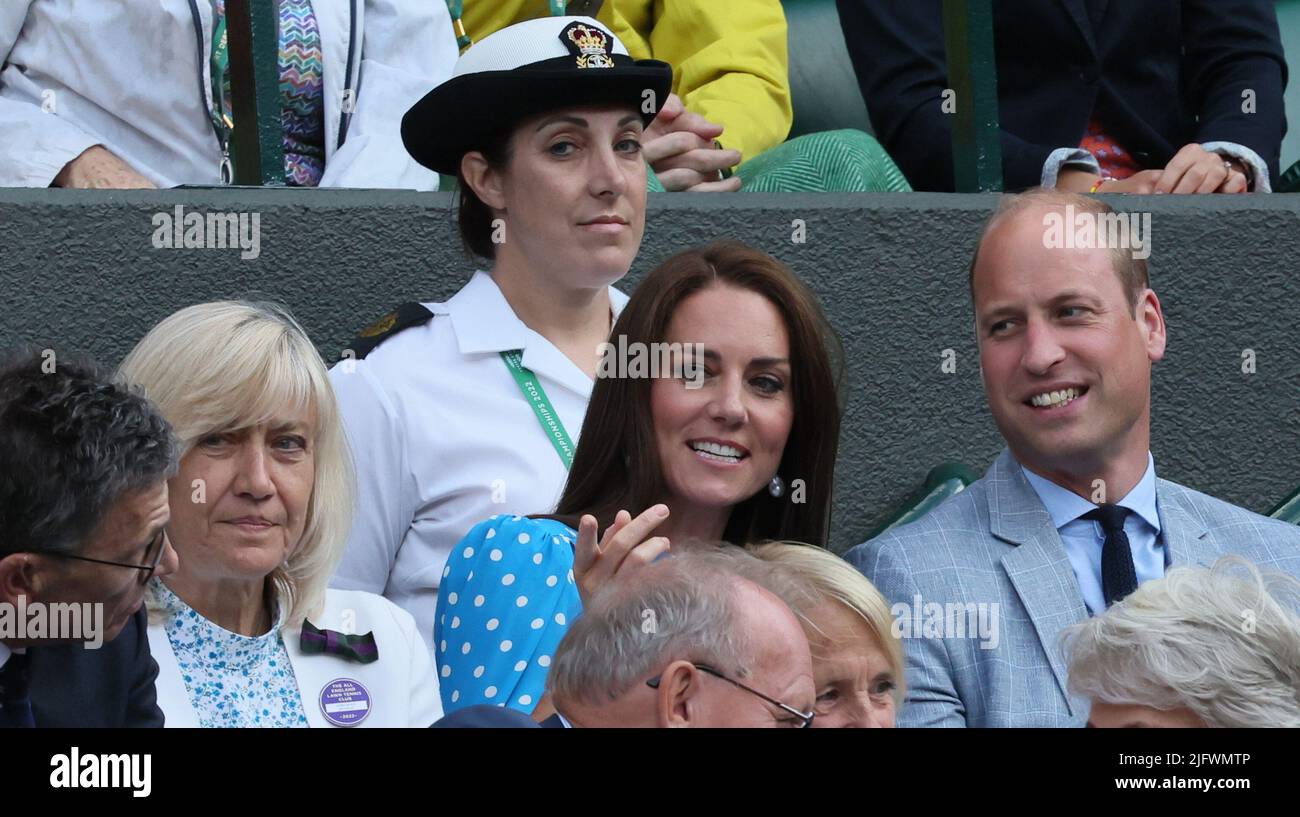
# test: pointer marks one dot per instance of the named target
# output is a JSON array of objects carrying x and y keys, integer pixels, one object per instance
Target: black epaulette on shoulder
[{"x": 404, "y": 317}]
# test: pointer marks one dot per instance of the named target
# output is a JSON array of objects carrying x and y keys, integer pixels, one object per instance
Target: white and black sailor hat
[{"x": 524, "y": 70}]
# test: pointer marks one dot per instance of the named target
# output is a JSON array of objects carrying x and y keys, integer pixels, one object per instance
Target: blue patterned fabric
[
  {"x": 506, "y": 599},
  {"x": 232, "y": 680}
]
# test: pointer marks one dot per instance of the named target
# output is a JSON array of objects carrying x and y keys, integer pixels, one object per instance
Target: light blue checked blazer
[{"x": 994, "y": 542}]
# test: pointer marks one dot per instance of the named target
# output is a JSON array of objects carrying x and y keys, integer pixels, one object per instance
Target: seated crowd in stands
[
  {"x": 1090, "y": 94},
  {"x": 416, "y": 537}
]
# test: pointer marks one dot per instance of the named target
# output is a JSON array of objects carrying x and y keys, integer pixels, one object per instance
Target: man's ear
[
  {"x": 20, "y": 575},
  {"x": 677, "y": 704},
  {"x": 483, "y": 179},
  {"x": 1152, "y": 320}
]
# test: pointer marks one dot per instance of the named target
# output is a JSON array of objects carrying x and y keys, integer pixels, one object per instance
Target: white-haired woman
[
  {"x": 246, "y": 633},
  {"x": 1199, "y": 647},
  {"x": 857, "y": 660}
]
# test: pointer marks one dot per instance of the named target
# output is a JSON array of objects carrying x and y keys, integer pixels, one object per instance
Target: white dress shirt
[
  {"x": 443, "y": 438},
  {"x": 5, "y": 652}
]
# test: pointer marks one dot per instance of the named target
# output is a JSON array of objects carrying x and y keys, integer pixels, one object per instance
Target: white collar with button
[{"x": 484, "y": 322}]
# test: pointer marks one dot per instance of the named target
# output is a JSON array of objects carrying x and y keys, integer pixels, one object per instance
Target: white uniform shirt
[{"x": 443, "y": 438}]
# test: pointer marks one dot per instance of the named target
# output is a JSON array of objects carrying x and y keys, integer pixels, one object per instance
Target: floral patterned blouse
[{"x": 232, "y": 680}]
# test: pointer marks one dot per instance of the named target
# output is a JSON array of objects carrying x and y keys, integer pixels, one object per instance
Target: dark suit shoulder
[
  {"x": 111, "y": 686},
  {"x": 404, "y": 317}
]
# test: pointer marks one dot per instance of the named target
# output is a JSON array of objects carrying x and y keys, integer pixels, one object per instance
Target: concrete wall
[{"x": 79, "y": 271}]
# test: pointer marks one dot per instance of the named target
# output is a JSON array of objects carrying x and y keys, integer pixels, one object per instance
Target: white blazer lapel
[
  {"x": 1038, "y": 567},
  {"x": 317, "y": 671},
  {"x": 173, "y": 697},
  {"x": 310, "y": 676}
]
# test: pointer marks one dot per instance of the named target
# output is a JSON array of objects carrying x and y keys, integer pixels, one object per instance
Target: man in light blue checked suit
[{"x": 1072, "y": 516}]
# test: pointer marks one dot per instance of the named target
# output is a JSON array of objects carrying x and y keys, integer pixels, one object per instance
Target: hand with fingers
[
  {"x": 1196, "y": 170},
  {"x": 625, "y": 546},
  {"x": 99, "y": 168},
  {"x": 680, "y": 146},
  {"x": 1143, "y": 182}
]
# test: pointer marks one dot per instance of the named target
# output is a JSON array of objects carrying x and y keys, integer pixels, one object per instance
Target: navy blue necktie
[
  {"x": 1118, "y": 576},
  {"x": 15, "y": 705}
]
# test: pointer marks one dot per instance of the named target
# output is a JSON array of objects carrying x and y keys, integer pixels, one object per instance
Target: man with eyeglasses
[
  {"x": 84, "y": 464},
  {"x": 695, "y": 640}
]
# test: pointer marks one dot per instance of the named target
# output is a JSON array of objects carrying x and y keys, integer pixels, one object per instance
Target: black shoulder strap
[{"x": 404, "y": 317}]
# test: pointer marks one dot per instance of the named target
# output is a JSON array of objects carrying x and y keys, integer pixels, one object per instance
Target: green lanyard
[
  {"x": 542, "y": 406},
  {"x": 557, "y": 7},
  {"x": 223, "y": 123}
]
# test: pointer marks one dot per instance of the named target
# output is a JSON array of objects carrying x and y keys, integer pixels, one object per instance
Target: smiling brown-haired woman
[
  {"x": 627, "y": 469},
  {"x": 736, "y": 442}
]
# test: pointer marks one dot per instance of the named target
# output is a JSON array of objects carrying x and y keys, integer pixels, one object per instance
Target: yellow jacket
[{"x": 729, "y": 57}]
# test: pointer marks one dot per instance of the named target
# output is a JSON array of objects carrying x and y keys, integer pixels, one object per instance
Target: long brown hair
[{"x": 616, "y": 465}]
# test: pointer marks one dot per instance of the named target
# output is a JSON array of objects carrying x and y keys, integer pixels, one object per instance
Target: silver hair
[
  {"x": 683, "y": 607},
  {"x": 1224, "y": 642}
]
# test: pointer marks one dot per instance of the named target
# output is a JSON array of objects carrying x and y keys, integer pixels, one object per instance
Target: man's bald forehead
[
  {"x": 1034, "y": 204},
  {"x": 762, "y": 613}
]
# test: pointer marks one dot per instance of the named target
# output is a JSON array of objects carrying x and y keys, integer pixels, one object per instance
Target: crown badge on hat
[{"x": 590, "y": 45}]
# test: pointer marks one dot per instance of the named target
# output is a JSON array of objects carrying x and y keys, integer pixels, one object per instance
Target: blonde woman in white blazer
[{"x": 245, "y": 632}]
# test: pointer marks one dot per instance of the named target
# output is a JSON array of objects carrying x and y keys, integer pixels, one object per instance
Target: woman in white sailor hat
[{"x": 460, "y": 410}]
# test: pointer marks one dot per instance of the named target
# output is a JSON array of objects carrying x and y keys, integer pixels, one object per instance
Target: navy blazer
[
  {"x": 112, "y": 686},
  {"x": 1056, "y": 68}
]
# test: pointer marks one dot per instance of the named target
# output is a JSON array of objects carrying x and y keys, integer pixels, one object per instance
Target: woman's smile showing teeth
[{"x": 719, "y": 452}]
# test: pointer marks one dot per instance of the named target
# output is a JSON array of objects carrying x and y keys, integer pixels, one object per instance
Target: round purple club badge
[{"x": 345, "y": 702}]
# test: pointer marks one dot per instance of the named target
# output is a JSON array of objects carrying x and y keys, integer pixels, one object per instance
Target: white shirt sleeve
[
  {"x": 1061, "y": 158},
  {"x": 34, "y": 144},
  {"x": 407, "y": 48},
  {"x": 382, "y": 514}
]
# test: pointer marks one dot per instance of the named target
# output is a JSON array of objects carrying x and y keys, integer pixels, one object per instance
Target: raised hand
[{"x": 626, "y": 546}]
